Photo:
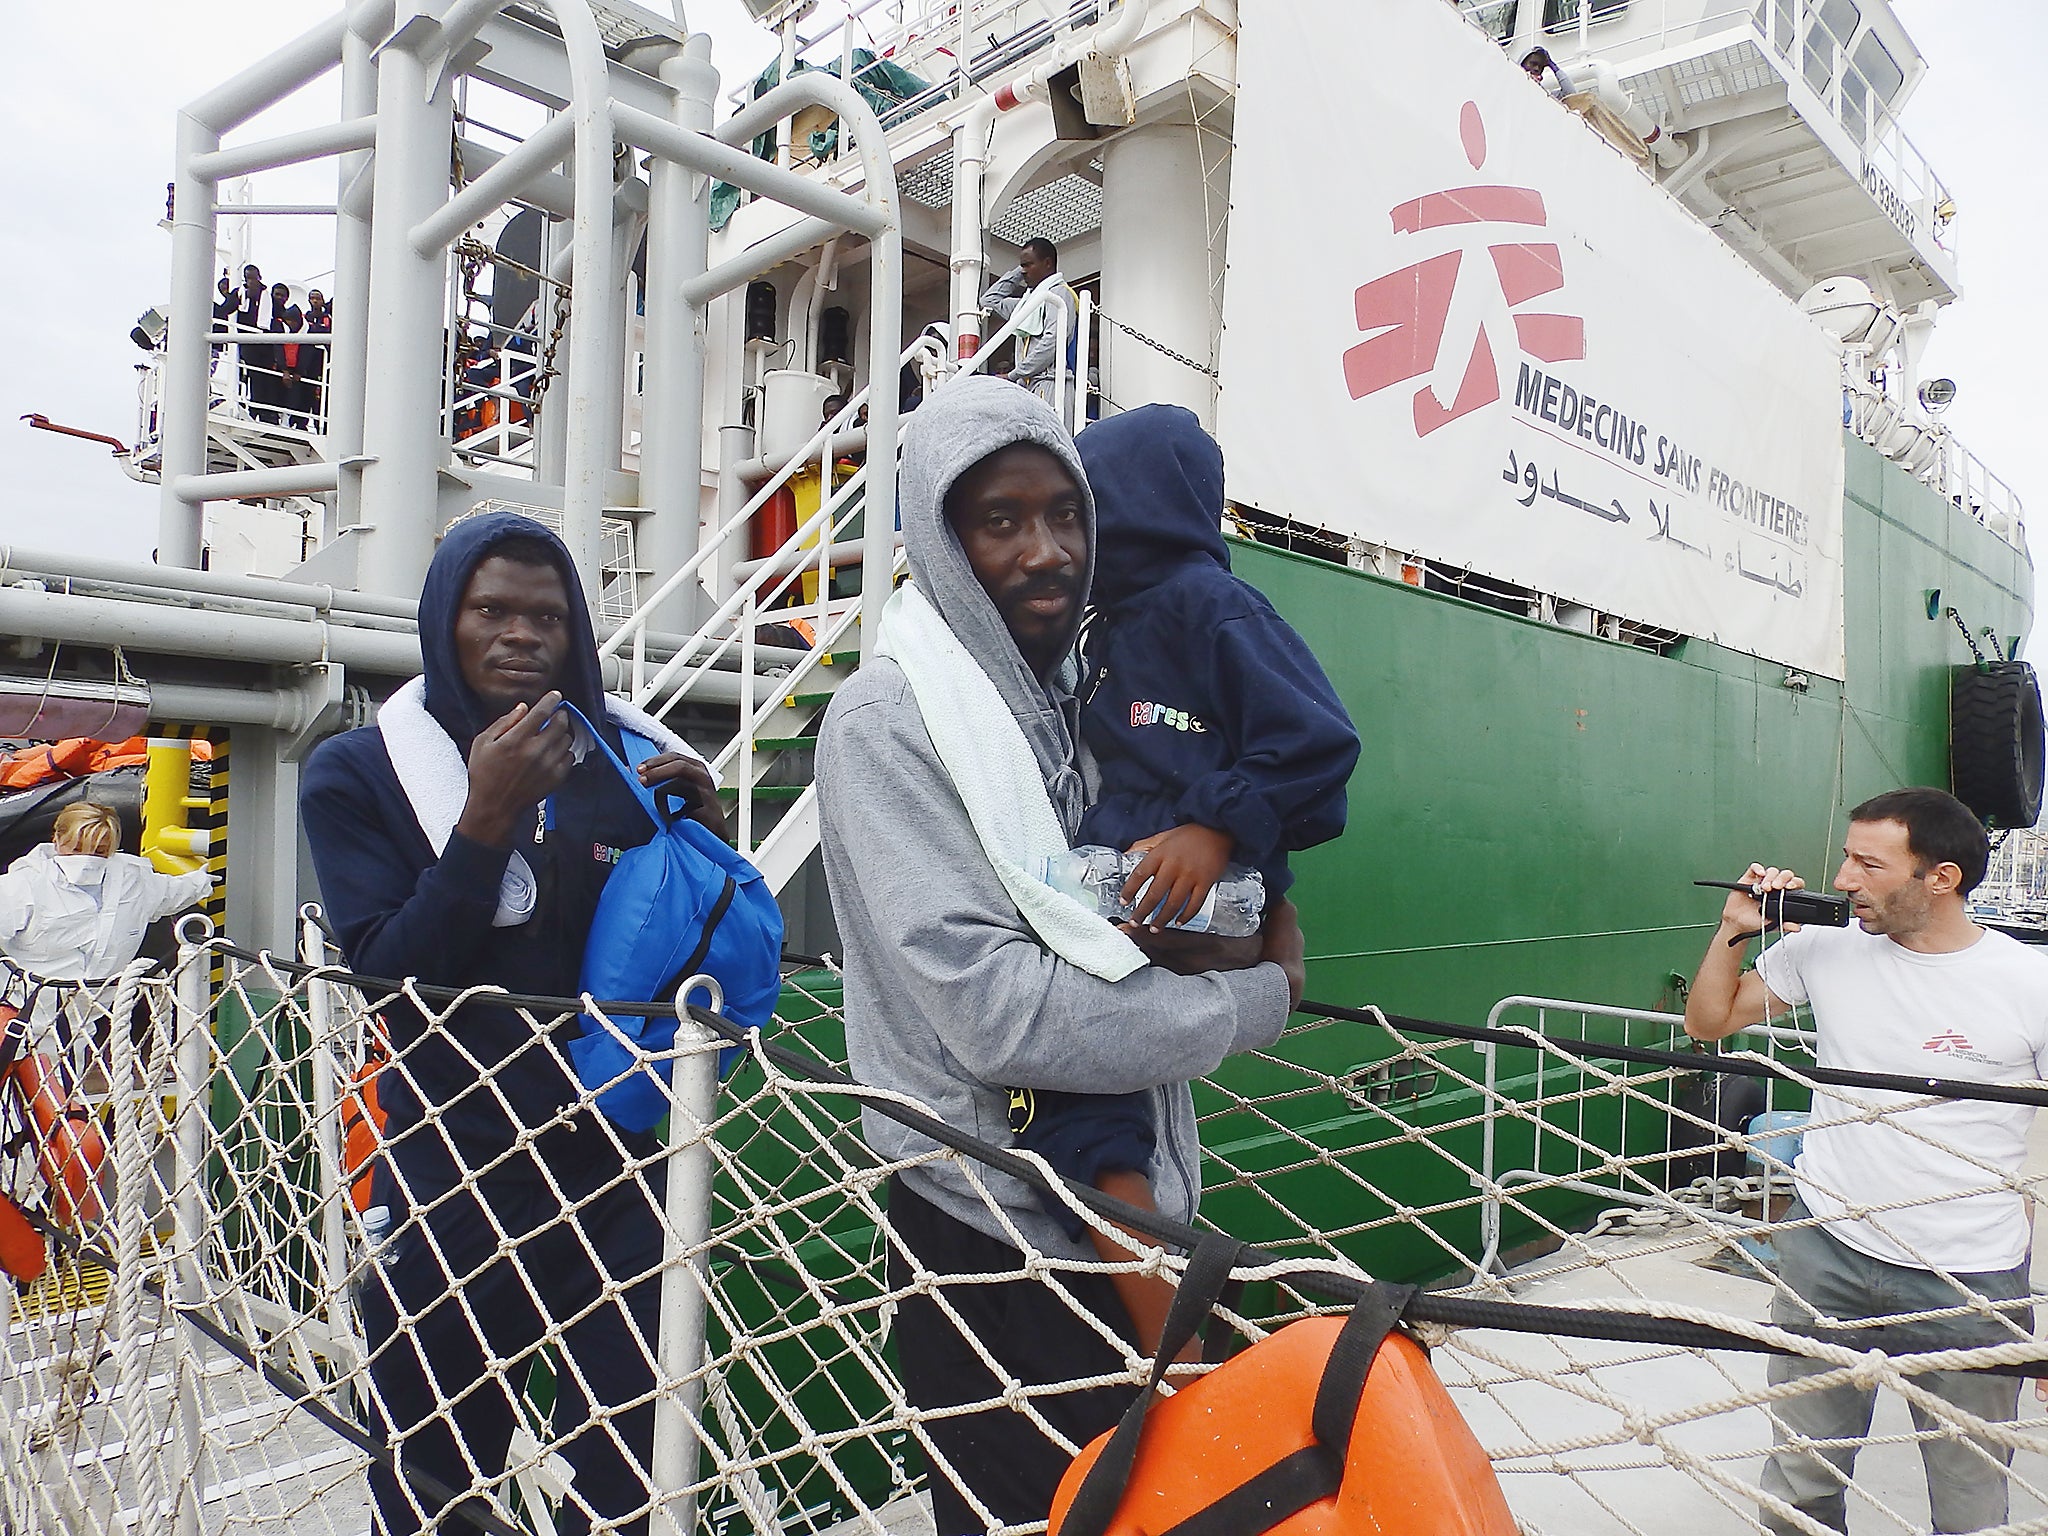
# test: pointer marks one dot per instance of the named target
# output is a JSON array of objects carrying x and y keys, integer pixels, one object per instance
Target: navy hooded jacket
[
  {"x": 401, "y": 912},
  {"x": 1201, "y": 703}
]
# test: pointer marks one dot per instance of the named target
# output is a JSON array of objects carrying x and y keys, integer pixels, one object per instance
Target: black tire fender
[{"x": 1995, "y": 742}]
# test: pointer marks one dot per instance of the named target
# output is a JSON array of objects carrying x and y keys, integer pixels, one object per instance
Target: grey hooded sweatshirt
[{"x": 950, "y": 996}]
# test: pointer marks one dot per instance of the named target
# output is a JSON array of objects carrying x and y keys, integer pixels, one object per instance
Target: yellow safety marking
[{"x": 68, "y": 1285}]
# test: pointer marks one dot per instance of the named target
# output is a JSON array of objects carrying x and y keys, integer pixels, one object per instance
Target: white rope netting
[{"x": 597, "y": 1331}]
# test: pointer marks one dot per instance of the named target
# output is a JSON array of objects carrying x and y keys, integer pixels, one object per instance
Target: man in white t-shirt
[{"x": 1916, "y": 1211}]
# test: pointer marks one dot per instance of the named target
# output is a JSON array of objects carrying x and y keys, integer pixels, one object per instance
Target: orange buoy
[
  {"x": 773, "y": 525},
  {"x": 70, "y": 1150},
  {"x": 1413, "y": 1465},
  {"x": 23, "y": 1253}
]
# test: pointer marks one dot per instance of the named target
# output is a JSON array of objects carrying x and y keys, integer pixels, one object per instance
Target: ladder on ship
[{"x": 778, "y": 692}]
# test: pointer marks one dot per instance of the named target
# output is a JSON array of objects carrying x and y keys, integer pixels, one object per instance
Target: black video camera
[{"x": 1780, "y": 907}]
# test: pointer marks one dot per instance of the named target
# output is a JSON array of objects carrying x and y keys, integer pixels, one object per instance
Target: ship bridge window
[
  {"x": 1880, "y": 71},
  {"x": 1874, "y": 74},
  {"x": 1868, "y": 84},
  {"x": 1563, "y": 15},
  {"x": 1827, "y": 38},
  {"x": 1496, "y": 18}
]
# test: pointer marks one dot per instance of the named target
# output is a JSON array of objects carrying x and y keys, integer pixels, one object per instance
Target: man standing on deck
[
  {"x": 313, "y": 361},
  {"x": 953, "y": 994},
  {"x": 1916, "y": 1211},
  {"x": 463, "y": 841},
  {"x": 1041, "y": 367}
]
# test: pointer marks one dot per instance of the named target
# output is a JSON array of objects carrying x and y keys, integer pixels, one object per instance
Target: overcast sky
[{"x": 87, "y": 97}]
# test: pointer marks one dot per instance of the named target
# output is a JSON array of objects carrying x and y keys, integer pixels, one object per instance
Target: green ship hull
[{"x": 1533, "y": 804}]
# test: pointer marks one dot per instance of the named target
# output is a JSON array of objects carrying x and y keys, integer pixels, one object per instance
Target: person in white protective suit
[{"x": 76, "y": 909}]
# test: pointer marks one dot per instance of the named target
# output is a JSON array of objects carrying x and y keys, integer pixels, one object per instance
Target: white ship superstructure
[{"x": 1573, "y": 358}]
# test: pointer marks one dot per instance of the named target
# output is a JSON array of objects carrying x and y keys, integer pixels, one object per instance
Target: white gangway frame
[{"x": 396, "y": 218}]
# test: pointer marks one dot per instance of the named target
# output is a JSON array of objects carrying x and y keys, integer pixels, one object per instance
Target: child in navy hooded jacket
[{"x": 1218, "y": 737}]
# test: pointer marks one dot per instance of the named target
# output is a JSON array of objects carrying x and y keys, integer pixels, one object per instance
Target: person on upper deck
[
  {"x": 1040, "y": 367},
  {"x": 313, "y": 362},
  {"x": 954, "y": 993},
  {"x": 1537, "y": 63},
  {"x": 1913, "y": 1209},
  {"x": 242, "y": 306}
]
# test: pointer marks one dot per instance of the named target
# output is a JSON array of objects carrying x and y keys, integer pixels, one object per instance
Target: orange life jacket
[{"x": 362, "y": 1119}]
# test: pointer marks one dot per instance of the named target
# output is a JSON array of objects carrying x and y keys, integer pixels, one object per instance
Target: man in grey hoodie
[{"x": 951, "y": 997}]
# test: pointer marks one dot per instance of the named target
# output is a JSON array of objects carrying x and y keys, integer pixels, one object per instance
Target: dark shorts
[
  {"x": 1083, "y": 1136},
  {"x": 1034, "y": 1333}
]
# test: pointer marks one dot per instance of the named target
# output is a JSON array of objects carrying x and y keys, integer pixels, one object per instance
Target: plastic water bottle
[{"x": 1095, "y": 876}]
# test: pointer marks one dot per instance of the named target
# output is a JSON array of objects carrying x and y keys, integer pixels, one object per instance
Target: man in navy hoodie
[
  {"x": 463, "y": 841},
  {"x": 1218, "y": 739}
]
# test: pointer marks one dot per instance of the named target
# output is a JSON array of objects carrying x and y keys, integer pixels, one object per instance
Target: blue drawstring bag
[{"x": 682, "y": 903}]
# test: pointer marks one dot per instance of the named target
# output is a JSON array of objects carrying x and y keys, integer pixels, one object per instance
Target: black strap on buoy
[{"x": 1292, "y": 1483}]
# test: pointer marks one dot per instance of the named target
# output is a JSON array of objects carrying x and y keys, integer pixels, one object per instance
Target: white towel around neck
[
  {"x": 998, "y": 780},
  {"x": 436, "y": 781}
]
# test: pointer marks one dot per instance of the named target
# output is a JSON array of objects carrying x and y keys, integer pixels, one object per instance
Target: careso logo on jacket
[{"x": 1146, "y": 712}]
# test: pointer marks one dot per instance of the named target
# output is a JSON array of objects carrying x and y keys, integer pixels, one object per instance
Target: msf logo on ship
[{"x": 1406, "y": 314}]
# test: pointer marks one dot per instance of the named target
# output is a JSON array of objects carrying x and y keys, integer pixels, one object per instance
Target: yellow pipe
[{"x": 173, "y": 847}]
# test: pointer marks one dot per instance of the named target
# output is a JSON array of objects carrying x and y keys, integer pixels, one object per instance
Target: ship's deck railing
[
  {"x": 1567, "y": 1156},
  {"x": 955, "y": 44},
  {"x": 1801, "y": 46},
  {"x": 234, "y": 410},
  {"x": 205, "y": 1354},
  {"x": 1967, "y": 481}
]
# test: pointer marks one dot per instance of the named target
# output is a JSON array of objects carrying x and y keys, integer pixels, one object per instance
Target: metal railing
[
  {"x": 794, "y": 582},
  {"x": 955, "y": 44},
  {"x": 1804, "y": 50},
  {"x": 1572, "y": 1149}
]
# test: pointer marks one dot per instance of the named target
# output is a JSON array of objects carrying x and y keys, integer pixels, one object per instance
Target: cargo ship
[{"x": 1565, "y": 355}]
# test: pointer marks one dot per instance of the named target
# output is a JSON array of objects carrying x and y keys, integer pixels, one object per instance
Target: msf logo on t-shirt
[
  {"x": 1950, "y": 1042},
  {"x": 1145, "y": 712}
]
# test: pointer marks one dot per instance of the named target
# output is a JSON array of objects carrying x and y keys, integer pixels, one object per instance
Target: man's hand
[
  {"x": 1742, "y": 914},
  {"x": 691, "y": 781},
  {"x": 1193, "y": 954},
  {"x": 516, "y": 762},
  {"x": 227, "y": 289},
  {"x": 1722, "y": 998}
]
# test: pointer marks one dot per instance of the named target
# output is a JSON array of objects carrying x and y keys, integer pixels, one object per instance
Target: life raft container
[{"x": 1328, "y": 1427}]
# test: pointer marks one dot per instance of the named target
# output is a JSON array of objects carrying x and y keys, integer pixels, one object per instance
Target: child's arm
[
  {"x": 1183, "y": 866},
  {"x": 1292, "y": 744}
]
